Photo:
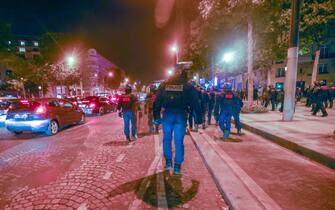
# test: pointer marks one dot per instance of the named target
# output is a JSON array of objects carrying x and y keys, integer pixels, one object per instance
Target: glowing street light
[
  {"x": 71, "y": 60},
  {"x": 126, "y": 80},
  {"x": 195, "y": 77},
  {"x": 174, "y": 49},
  {"x": 228, "y": 57},
  {"x": 170, "y": 72},
  {"x": 95, "y": 75},
  {"x": 110, "y": 74}
]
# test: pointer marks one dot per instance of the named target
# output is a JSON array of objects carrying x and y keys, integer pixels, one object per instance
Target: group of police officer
[
  {"x": 320, "y": 97},
  {"x": 178, "y": 101}
]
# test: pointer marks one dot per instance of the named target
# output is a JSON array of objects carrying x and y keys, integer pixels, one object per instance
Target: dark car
[
  {"x": 43, "y": 115},
  {"x": 95, "y": 105}
]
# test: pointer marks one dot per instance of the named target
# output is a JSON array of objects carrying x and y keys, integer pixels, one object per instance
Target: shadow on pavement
[
  {"x": 175, "y": 193},
  {"x": 116, "y": 143}
]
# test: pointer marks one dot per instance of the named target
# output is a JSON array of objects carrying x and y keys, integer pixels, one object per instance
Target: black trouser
[
  {"x": 319, "y": 106},
  {"x": 266, "y": 104},
  {"x": 331, "y": 102},
  {"x": 273, "y": 104}
]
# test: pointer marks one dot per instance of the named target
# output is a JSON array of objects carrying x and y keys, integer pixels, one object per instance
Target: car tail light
[
  {"x": 75, "y": 103},
  {"x": 40, "y": 110},
  {"x": 92, "y": 105},
  {"x": 84, "y": 101}
]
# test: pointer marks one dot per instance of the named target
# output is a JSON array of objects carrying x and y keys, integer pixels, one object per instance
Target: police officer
[
  {"x": 238, "y": 104},
  {"x": 273, "y": 97},
  {"x": 211, "y": 104},
  {"x": 204, "y": 106},
  {"x": 331, "y": 95},
  {"x": 226, "y": 107},
  {"x": 318, "y": 100},
  {"x": 175, "y": 96},
  {"x": 149, "y": 108},
  {"x": 126, "y": 107},
  {"x": 218, "y": 97}
]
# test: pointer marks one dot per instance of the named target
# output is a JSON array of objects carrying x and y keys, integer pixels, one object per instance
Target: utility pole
[
  {"x": 250, "y": 63},
  {"x": 292, "y": 63}
]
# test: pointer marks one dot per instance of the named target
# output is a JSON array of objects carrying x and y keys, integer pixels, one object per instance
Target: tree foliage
[{"x": 223, "y": 25}]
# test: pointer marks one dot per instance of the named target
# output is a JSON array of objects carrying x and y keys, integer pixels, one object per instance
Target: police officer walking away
[
  {"x": 126, "y": 107},
  {"x": 176, "y": 96},
  {"x": 238, "y": 104},
  {"x": 226, "y": 107},
  {"x": 211, "y": 104}
]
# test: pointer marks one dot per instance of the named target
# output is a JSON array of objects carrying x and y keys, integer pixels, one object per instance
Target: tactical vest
[
  {"x": 228, "y": 98},
  {"x": 173, "y": 96},
  {"x": 127, "y": 102}
]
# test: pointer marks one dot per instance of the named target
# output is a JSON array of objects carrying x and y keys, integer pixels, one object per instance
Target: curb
[
  {"x": 237, "y": 188},
  {"x": 301, "y": 150}
]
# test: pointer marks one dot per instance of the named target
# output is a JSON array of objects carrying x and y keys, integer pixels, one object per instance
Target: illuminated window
[
  {"x": 280, "y": 72},
  {"x": 35, "y": 44},
  {"x": 323, "y": 69},
  {"x": 22, "y": 49},
  {"x": 22, "y": 43},
  {"x": 9, "y": 42}
]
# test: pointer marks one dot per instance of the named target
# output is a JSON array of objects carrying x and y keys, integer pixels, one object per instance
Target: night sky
[{"x": 124, "y": 31}]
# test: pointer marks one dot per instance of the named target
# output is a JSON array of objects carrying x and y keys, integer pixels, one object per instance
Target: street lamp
[
  {"x": 174, "y": 49},
  {"x": 110, "y": 74},
  {"x": 170, "y": 72},
  {"x": 71, "y": 60},
  {"x": 126, "y": 80},
  {"x": 228, "y": 57}
]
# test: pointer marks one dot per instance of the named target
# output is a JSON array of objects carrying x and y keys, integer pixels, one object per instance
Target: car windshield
[
  {"x": 90, "y": 98},
  {"x": 24, "y": 104}
]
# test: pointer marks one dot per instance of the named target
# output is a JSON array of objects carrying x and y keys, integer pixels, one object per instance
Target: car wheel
[
  {"x": 52, "y": 128},
  {"x": 82, "y": 119},
  {"x": 18, "y": 132},
  {"x": 101, "y": 111}
]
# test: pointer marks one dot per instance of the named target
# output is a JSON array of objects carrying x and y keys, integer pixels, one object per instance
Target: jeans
[
  {"x": 209, "y": 114},
  {"x": 174, "y": 121},
  {"x": 237, "y": 121},
  {"x": 225, "y": 120},
  {"x": 127, "y": 118}
]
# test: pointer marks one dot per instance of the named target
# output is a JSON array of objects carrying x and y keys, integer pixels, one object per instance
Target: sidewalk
[
  {"x": 254, "y": 173},
  {"x": 311, "y": 136}
]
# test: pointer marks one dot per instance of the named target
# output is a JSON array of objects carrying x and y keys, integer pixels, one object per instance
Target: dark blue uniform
[
  {"x": 226, "y": 107},
  {"x": 238, "y": 104},
  {"x": 211, "y": 104},
  {"x": 204, "y": 107},
  {"x": 218, "y": 97},
  {"x": 176, "y": 97}
]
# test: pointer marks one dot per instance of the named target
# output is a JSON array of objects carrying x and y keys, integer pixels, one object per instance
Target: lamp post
[
  {"x": 170, "y": 72},
  {"x": 174, "y": 49}
]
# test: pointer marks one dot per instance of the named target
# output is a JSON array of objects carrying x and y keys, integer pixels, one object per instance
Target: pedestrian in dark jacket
[
  {"x": 238, "y": 104},
  {"x": 273, "y": 97}
]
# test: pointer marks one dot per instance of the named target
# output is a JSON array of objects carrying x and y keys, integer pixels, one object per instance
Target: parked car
[
  {"x": 43, "y": 115},
  {"x": 95, "y": 105},
  {"x": 4, "y": 107}
]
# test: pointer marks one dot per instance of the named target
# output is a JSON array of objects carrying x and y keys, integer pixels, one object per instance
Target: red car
[
  {"x": 96, "y": 105},
  {"x": 42, "y": 115}
]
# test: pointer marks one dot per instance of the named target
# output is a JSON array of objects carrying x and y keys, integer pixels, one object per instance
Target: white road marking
[
  {"x": 107, "y": 175},
  {"x": 83, "y": 206},
  {"x": 120, "y": 157},
  {"x": 152, "y": 169}
]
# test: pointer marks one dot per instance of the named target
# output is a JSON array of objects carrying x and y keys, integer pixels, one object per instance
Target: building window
[
  {"x": 22, "y": 43},
  {"x": 22, "y": 49},
  {"x": 35, "y": 44},
  {"x": 324, "y": 51},
  {"x": 9, "y": 42},
  {"x": 323, "y": 68},
  {"x": 280, "y": 72}
]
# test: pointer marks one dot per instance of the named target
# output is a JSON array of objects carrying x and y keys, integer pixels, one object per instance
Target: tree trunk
[
  {"x": 315, "y": 67},
  {"x": 250, "y": 63}
]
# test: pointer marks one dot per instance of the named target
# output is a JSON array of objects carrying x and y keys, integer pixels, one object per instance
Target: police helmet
[{"x": 128, "y": 89}]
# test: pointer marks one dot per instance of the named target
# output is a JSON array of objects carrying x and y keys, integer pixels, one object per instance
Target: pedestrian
[
  {"x": 226, "y": 110},
  {"x": 127, "y": 106},
  {"x": 238, "y": 104},
  {"x": 211, "y": 105},
  {"x": 318, "y": 100},
  {"x": 255, "y": 94},
  {"x": 325, "y": 94},
  {"x": 331, "y": 96},
  {"x": 194, "y": 116},
  {"x": 149, "y": 108},
  {"x": 273, "y": 97},
  {"x": 204, "y": 107},
  {"x": 175, "y": 96},
  {"x": 266, "y": 97},
  {"x": 217, "y": 106},
  {"x": 280, "y": 100}
]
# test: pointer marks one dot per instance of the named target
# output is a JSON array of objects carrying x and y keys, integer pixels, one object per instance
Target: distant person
[
  {"x": 126, "y": 105},
  {"x": 238, "y": 104},
  {"x": 226, "y": 110},
  {"x": 318, "y": 100},
  {"x": 204, "y": 107},
  {"x": 149, "y": 109},
  {"x": 218, "y": 96},
  {"x": 273, "y": 98},
  {"x": 211, "y": 105},
  {"x": 280, "y": 100}
]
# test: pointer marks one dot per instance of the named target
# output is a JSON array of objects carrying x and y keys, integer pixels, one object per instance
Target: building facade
[{"x": 27, "y": 46}]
